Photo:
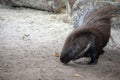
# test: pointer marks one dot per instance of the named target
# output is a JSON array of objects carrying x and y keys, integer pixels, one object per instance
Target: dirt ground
[{"x": 28, "y": 40}]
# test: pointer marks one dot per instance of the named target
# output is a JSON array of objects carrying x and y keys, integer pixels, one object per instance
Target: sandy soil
[{"x": 28, "y": 40}]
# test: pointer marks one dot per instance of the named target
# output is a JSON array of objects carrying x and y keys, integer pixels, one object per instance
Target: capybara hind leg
[{"x": 101, "y": 52}]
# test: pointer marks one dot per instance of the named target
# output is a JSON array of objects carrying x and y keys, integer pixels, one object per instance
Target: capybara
[{"x": 92, "y": 34}]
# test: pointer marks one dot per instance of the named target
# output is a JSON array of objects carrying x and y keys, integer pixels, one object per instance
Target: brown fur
[{"x": 101, "y": 29}]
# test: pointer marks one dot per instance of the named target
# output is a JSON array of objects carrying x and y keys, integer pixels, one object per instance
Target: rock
[
  {"x": 47, "y": 5},
  {"x": 56, "y": 54},
  {"x": 77, "y": 75},
  {"x": 55, "y": 6},
  {"x": 81, "y": 6},
  {"x": 116, "y": 23}
]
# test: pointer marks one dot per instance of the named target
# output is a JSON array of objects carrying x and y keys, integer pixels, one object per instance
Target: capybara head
[{"x": 74, "y": 49}]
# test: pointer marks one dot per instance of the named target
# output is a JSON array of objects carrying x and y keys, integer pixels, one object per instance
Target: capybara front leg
[{"x": 94, "y": 57}]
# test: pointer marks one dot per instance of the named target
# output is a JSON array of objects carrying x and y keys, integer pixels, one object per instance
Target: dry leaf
[
  {"x": 56, "y": 54},
  {"x": 77, "y": 75}
]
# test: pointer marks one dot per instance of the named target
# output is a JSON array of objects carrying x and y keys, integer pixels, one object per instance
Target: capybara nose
[{"x": 63, "y": 60}]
